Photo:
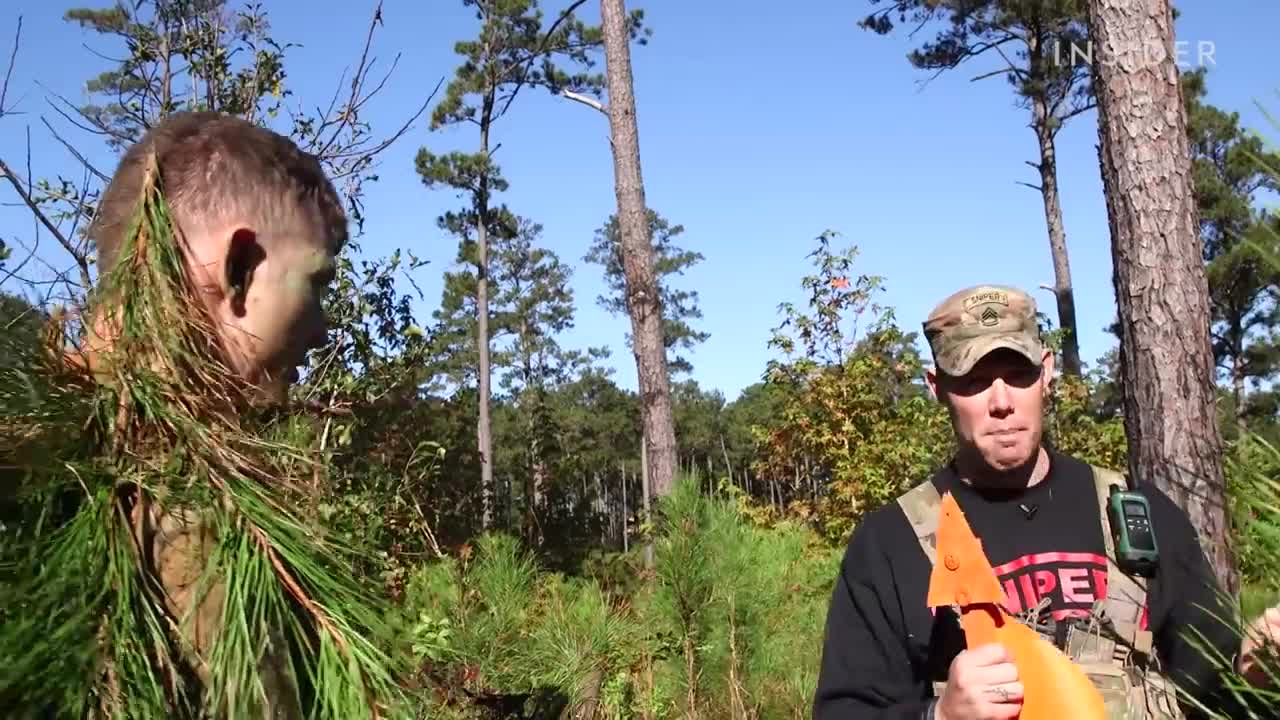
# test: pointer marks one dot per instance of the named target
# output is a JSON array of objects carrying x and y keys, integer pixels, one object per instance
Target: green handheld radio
[{"x": 1135, "y": 539}]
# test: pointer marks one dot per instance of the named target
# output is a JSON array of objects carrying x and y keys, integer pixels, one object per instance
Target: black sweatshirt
[{"x": 884, "y": 647}]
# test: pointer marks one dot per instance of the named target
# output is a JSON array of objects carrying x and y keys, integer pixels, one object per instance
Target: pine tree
[
  {"x": 678, "y": 306},
  {"x": 1228, "y": 170},
  {"x": 644, "y": 305},
  {"x": 1166, "y": 359},
  {"x": 1038, "y": 43},
  {"x": 533, "y": 305},
  {"x": 511, "y": 52},
  {"x": 455, "y": 336}
]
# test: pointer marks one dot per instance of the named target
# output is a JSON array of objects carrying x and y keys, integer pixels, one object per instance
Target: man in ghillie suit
[{"x": 155, "y": 560}]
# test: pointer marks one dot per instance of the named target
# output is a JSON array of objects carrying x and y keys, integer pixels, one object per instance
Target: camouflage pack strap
[
  {"x": 1126, "y": 597},
  {"x": 1132, "y": 690},
  {"x": 921, "y": 505}
]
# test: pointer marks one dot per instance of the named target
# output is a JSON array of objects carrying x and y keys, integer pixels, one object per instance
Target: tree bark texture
[
  {"x": 1166, "y": 361},
  {"x": 484, "y": 425},
  {"x": 643, "y": 302}
]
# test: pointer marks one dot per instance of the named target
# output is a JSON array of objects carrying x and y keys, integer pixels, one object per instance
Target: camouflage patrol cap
[{"x": 975, "y": 321}]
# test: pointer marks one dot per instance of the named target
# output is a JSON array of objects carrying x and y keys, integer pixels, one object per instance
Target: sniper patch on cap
[
  {"x": 986, "y": 297},
  {"x": 977, "y": 320}
]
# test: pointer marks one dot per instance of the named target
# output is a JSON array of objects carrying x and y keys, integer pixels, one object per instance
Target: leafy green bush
[{"x": 1073, "y": 427}]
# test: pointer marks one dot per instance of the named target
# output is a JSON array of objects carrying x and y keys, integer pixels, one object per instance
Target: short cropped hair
[{"x": 215, "y": 165}]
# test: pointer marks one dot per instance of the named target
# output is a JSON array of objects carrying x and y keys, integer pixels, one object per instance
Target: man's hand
[
  {"x": 1261, "y": 639},
  {"x": 982, "y": 684}
]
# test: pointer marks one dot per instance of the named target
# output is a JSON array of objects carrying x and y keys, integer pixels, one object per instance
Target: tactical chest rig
[{"x": 1110, "y": 645}]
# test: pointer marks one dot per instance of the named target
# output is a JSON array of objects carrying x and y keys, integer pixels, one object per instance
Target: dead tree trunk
[
  {"x": 1166, "y": 362},
  {"x": 1046, "y": 127},
  {"x": 643, "y": 302}
]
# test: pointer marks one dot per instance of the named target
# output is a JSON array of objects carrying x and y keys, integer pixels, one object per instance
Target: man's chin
[{"x": 1010, "y": 459}]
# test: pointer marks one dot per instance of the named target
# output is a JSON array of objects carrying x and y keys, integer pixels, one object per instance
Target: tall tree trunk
[
  {"x": 1062, "y": 289},
  {"x": 484, "y": 427},
  {"x": 648, "y": 501},
  {"x": 601, "y": 504},
  {"x": 1046, "y": 127},
  {"x": 585, "y": 708},
  {"x": 728, "y": 466},
  {"x": 643, "y": 302},
  {"x": 536, "y": 488},
  {"x": 626, "y": 525},
  {"x": 1239, "y": 403},
  {"x": 1166, "y": 361}
]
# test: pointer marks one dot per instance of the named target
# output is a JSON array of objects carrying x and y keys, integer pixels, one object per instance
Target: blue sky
[{"x": 759, "y": 129}]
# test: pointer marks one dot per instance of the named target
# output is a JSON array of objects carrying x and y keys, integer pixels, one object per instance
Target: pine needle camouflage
[{"x": 99, "y": 617}]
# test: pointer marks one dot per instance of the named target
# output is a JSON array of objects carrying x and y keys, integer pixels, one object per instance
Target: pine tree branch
[
  {"x": 1022, "y": 74},
  {"x": 993, "y": 73},
  {"x": 1079, "y": 110},
  {"x": 542, "y": 49},
  {"x": 296, "y": 590},
  {"x": 585, "y": 100}
]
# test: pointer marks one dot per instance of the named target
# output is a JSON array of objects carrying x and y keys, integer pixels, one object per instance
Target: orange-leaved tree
[{"x": 856, "y": 427}]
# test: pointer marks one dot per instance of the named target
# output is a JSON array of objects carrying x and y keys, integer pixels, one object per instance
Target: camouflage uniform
[{"x": 1110, "y": 645}]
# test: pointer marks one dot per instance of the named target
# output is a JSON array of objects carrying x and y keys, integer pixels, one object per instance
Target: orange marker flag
[{"x": 1053, "y": 686}]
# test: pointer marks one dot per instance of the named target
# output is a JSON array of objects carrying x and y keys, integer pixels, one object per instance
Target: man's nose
[{"x": 1000, "y": 399}]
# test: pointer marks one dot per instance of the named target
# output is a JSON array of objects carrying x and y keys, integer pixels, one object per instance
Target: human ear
[
  {"x": 244, "y": 254},
  {"x": 1046, "y": 372}
]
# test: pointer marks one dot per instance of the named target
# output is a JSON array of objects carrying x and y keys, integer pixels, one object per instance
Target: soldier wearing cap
[{"x": 1039, "y": 514}]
